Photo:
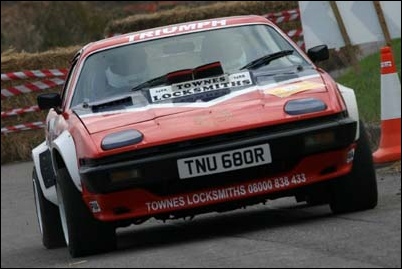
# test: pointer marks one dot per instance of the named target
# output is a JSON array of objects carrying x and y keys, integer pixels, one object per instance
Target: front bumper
[
  {"x": 134, "y": 204},
  {"x": 160, "y": 190}
]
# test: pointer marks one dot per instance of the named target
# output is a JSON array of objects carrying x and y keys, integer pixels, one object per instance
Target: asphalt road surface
[{"x": 281, "y": 233}]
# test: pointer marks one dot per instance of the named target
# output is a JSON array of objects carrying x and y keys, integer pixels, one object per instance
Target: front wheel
[
  {"x": 84, "y": 234},
  {"x": 357, "y": 190}
]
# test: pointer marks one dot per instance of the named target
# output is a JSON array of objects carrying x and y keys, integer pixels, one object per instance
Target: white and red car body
[{"x": 245, "y": 120}]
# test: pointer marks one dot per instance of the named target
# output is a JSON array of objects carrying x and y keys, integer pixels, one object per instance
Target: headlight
[
  {"x": 303, "y": 106},
  {"x": 121, "y": 139}
]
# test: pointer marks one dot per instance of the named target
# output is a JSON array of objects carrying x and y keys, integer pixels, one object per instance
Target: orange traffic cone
[{"x": 390, "y": 141}]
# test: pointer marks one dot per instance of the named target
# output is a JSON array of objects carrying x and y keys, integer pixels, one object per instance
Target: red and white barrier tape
[
  {"x": 300, "y": 44},
  {"x": 23, "y": 127},
  {"x": 283, "y": 13},
  {"x": 284, "y": 19},
  {"x": 19, "y": 111},
  {"x": 34, "y": 74},
  {"x": 31, "y": 87},
  {"x": 284, "y": 16},
  {"x": 295, "y": 33}
]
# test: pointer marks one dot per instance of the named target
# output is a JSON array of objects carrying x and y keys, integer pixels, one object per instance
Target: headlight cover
[
  {"x": 303, "y": 106},
  {"x": 121, "y": 139}
]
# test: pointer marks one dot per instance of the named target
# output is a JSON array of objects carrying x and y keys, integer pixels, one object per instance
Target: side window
[{"x": 68, "y": 79}]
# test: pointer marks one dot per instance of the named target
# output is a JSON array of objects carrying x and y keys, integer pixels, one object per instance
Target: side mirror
[
  {"x": 318, "y": 53},
  {"x": 49, "y": 100}
]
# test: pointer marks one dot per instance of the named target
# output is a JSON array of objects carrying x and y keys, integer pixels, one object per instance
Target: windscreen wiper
[
  {"x": 182, "y": 75},
  {"x": 265, "y": 60},
  {"x": 152, "y": 82},
  {"x": 111, "y": 103}
]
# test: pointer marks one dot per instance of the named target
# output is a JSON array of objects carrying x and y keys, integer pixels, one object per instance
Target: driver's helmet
[
  {"x": 226, "y": 49},
  {"x": 127, "y": 67}
]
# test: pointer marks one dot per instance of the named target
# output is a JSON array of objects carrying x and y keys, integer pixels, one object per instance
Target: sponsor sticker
[
  {"x": 290, "y": 89},
  {"x": 258, "y": 187},
  {"x": 199, "y": 86}
]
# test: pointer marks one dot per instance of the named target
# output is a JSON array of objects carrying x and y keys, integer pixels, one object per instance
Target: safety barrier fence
[
  {"x": 31, "y": 87},
  {"x": 34, "y": 74},
  {"x": 23, "y": 127},
  {"x": 19, "y": 111}
]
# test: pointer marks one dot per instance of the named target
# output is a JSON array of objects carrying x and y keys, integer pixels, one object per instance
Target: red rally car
[{"x": 191, "y": 118}]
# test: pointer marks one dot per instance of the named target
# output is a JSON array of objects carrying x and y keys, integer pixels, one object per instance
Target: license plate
[{"x": 224, "y": 161}]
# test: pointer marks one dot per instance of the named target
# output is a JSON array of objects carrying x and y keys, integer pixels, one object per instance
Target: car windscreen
[{"x": 117, "y": 71}]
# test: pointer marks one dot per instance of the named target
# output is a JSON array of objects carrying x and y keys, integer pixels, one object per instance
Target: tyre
[
  {"x": 357, "y": 190},
  {"x": 316, "y": 194},
  {"x": 84, "y": 234},
  {"x": 48, "y": 217},
  {"x": 319, "y": 198}
]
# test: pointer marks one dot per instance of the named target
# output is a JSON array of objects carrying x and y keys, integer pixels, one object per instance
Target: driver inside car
[{"x": 127, "y": 69}]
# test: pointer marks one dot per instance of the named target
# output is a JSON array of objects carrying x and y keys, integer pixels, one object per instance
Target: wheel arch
[
  {"x": 42, "y": 160},
  {"x": 349, "y": 97},
  {"x": 64, "y": 155}
]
